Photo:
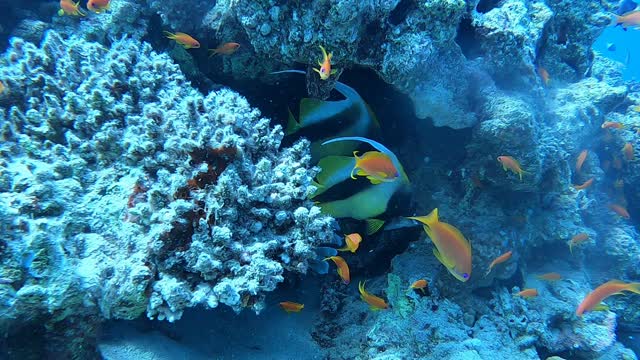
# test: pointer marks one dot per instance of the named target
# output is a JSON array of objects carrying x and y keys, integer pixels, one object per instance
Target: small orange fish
[
  {"x": 581, "y": 158},
  {"x": 620, "y": 210},
  {"x": 183, "y": 39},
  {"x": 584, "y": 185},
  {"x": 376, "y": 166},
  {"x": 68, "y": 7},
  {"x": 544, "y": 75},
  {"x": 630, "y": 19},
  {"x": 325, "y": 65},
  {"x": 612, "y": 125},
  {"x": 352, "y": 242},
  {"x": 290, "y": 306},
  {"x": 613, "y": 287},
  {"x": 512, "y": 164},
  {"x": 98, "y": 6},
  {"x": 419, "y": 285},
  {"x": 627, "y": 150},
  {"x": 528, "y": 293},
  {"x": 225, "y": 49},
  {"x": 343, "y": 268},
  {"x": 3, "y": 87},
  {"x": 577, "y": 239},
  {"x": 552, "y": 276},
  {"x": 375, "y": 303},
  {"x": 500, "y": 259}
]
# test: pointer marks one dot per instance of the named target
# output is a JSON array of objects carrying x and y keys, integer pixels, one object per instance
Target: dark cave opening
[
  {"x": 467, "y": 39},
  {"x": 484, "y": 6},
  {"x": 400, "y": 12}
]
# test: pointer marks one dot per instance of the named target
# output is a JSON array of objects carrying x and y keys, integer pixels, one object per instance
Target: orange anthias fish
[
  {"x": 225, "y": 49},
  {"x": 620, "y": 210},
  {"x": 290, "y": 306},
  {"x": 68, "y": 7},
  {"x": 627, "y": 150},
  {"x": 577, "y": 239},
  {"x": 420, "y": 285},
  {"x": 500, "y": 259},
  {"x": 343, "y": 268},
  {"x": 375, "y": 303},
  {"x": 612, "y": 125},
  {"x": 630, "y": 19},
  {"x": 183, "y": 39},
  {"x": 452, "y": 249},
  {"x": 376, "y": 166},
  {"x": 613, "y": 287},
  {"x": 512, "y": 164},
  {"x": 351, "y": 242},
  {"x": 544, "y": 75},
  {"x": 552, "y": 276},
  {"x": 98, "y": 6},
  {"x": 325, "y": 65},
  {"x": 584, "y": 185},
  {"x": 528, "y": 293},
  {"x": 581, "y": 158}
]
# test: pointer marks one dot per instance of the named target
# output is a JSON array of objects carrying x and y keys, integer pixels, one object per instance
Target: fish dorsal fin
[
  {"x": 427, "y": 220},
  {"x": 442, "y": 259},
  {"x": 601, "y": 307},
  {"x": 373, "y": 225},
  {"x": 374, "y": 180}
]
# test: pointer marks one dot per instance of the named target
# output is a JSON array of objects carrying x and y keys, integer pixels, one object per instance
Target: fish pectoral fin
[
  {"x": 361, "y": 172},
  {"x": 442, "y": 259},
  {"x": 373, "y": 225},
  {"x": 374, "y": 181},
  {"x": 600, "y": 307},
  {"x": 373, "y": 308}
]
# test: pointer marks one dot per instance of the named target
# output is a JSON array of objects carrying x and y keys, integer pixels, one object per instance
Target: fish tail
[
  {"x": 570, "y": 243},
  {"x": 292, "y": 124},
  {"x": 634, "y": 287},
  {"x": 169, "y": 35}
]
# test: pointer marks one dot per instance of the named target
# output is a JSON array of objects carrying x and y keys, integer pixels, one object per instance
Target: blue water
[{"x": 627, "y": 43}]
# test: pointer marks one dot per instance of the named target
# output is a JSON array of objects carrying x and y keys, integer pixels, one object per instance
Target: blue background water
[{"x": 623, "y": 40}]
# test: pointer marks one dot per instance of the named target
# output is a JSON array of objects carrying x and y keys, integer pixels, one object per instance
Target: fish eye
[{"x": 465, "y": 275}]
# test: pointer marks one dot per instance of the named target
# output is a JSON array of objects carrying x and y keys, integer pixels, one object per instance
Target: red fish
[
  {"x": 352, "y": 242},
  {"x": 512, "y": 164},
  {"x": 500, "y": 259},
  {"x": 98, "y": 6},
  {"x": 584, "y": 185},
  {"x": 620, "y": 210},
  {"x": 290, "y": 306},
  {"x": 544, "y": 75},
  {"x": 420, "y": 285},
  {"x": 627, "y": 150},
  {"x": 375, "y": 303},
  {"x": 68, "y": 7},
  {"x": 630, "y": 19},
  {"x": 376, "y": 166},
  {"x": 325, "y": 65},
  {"x": 612, "y": 125},
  {"x": 343, "y": 268},
  {"x": 183, "y": 39},
  {"x": 528, "y": 293},
  {"x": 581, "y": 158},
  {"x": 225, "y": 49},
  {"x": 552, "y": 276},
  {"x": 602, "y": 292},
  {"x": 577, "y": 239}
]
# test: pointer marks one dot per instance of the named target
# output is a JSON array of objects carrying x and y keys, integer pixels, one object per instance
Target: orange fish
[
  {"x": 325, "y": 65},
  {"x": 627, "y": 150},
  {"x": 552, "y": 276},
  {"x": 183, "y": 39},
  {"x": 630, "y": 19},
  {"x": 451, "y": 247},
  {"x": 68, "y": 7},
  {"x": 613, "y": 287},
  {"x": 420, "y": 285},
  {"x": 612, "y": 125},
  {"x": 375, "y": 303},
  {"x": 98, "y": 6},
  {"x": 376, "y": 166},
  {"x": 512, "y": 164},
  {"x": 3, "y": 87},
  {"x": 581, "y": 158},
  {"x": 584, "y": 185},
  {"x": 343, "y": 268},
  {"x": 620, "y": 210},
  {"x": 577, "y": 239},
  {"x": 528, "y": 293},
  {"x": 224, "y": 49},
  {"x": 352, "y": 242},
  {"x": 290, "y": 306},
  {"x": 500, "y": 259},
  {"x": 544, "y": 75}
]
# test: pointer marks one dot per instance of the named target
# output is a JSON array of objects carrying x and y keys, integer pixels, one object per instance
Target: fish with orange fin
[
  {"x": 343, "y": 268},
  {"x": 325, "y": 65},
  {"x": 509, "y": 163},
  {"x": 627, "y": 151},
  {"x": 620, "y": 210},
  {"x": 528, "y": 293},
  {"x": 375, "y": 302},
  {"x": 581, "y": 158},
  {"x": 98, "y": 6},
  {"x": 68, "y": 7},
  {"x": 630, "y": 19},
  {"x": 351, "y": 242},
  {"x": 500, "y": 259},
  {"x": 451, "y": 247},
  {"x": 614, "y": 287},
  {"x": 584, "y": 185},
  {"x": 544, "y": 75},
  {"x": 376, "y": 166},
  {"x": 183, "y": 39},
  {"x": 612, "y": 125},
  {"x": 552, "y": 276},
  {"x": 419, "y": 285},
  {"x": 577, "y": 239},
  {"x": 224, "y": 49},
  {"x": 290, "y": 306}
]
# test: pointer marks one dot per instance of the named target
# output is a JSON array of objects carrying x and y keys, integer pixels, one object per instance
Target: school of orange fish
[{"x": 452, "y": 249}]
